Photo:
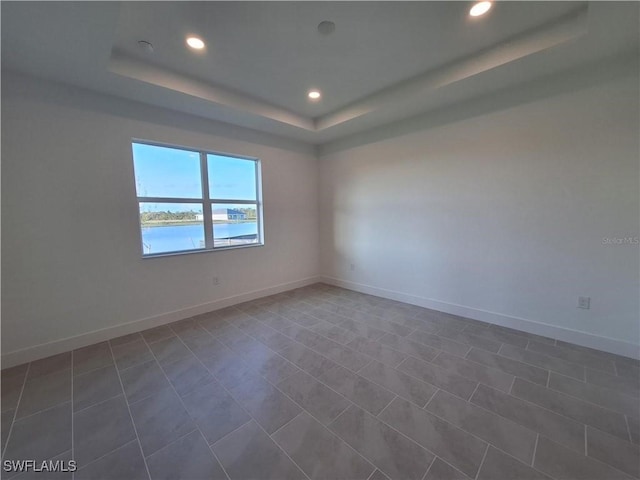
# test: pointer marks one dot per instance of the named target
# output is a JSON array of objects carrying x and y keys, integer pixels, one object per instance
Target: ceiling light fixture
[
  {"x": 480, "y": 8},
  {"x": 195, "y": 43},
  {"x": 314, "y": 94}
]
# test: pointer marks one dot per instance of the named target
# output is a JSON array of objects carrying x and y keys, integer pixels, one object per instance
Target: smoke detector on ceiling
[
  {"x": 145, "y": 46},
  {"x": 326, "y": 27}
]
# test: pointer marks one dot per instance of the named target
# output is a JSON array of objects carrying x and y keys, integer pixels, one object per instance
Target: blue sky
[{"x": 174, "y": 173}]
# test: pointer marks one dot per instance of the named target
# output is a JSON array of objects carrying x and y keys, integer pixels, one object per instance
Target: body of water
[{"x": 188, "y": 237}]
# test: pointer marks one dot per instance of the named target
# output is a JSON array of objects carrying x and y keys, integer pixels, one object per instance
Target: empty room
[{"x": 320, "y": 240}]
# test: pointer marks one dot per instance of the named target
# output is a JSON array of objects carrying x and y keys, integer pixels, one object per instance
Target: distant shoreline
[{"x": 178, "y": 223}]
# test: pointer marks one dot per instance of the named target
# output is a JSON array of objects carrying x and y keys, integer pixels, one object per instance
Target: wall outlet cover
[{"x": 584, "y": 302}]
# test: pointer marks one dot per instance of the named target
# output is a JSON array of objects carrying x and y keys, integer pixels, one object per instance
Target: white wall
[
  {"x": 499, "y": 217},
  {"x": 71, "y": 256}
]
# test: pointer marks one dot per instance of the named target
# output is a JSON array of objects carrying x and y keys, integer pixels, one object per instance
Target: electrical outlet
[
  {"x": 216, "y": 281},
  {"x": 584, "y": 302}
]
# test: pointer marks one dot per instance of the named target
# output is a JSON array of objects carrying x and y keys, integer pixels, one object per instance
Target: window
[{"x": 192, "y": 200}]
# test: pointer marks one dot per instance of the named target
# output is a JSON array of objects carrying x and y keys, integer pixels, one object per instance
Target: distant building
[{"x": 224, "y": 214}]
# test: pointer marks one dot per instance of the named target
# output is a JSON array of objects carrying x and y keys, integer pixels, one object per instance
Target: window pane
[
  {"x": 231, "y": 178},
  {"x": 234, "y": 224},
  {"x": 166, "y": 172},
  {"x": 171, "y": 227}
]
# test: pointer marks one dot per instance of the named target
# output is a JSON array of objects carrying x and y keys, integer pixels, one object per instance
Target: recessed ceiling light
[
  {"x": 195, "y": 42},
  {"x": 480, "y": 8},
  {"x": 314, "y": 94}
]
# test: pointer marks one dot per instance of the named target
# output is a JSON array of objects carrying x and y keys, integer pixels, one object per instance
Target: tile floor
[{"x": 326, "y": 383}]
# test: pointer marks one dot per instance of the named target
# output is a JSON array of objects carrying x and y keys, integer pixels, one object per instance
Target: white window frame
[{"x": 205, "y": 201}]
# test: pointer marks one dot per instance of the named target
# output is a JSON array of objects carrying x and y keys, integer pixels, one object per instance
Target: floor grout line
[
  {"x": 412, "y": 376},
  {"x": 364, "y": 366},
  {"x": 528, "y": 345},
  {"x": 341, "y": 412},
  {"x": 583, "y": 400},
  {"x": 482, "y": 461},
  {"x": 218, "y": 458},
  {"x": 51, "y": 407},
  {"x": 133, "y": 339},
  {"x": 449, "y": 372},
  {"x": 251, "y": 419},
  {"x": 626, "y": 419},
  {"x": 164, "y": 447},
  {"x": 135, "y": 429},
  {"x": 397, "y": 367},
  {"x": 102, "y": 400},
  {"x": 535, "y": 405},
  {"x": 516, "y": 361},
  {"x": 541, "y": 367},
  {"x": 349, "y": 401},
  {"x": 15, "y": 413},
  {"x": 586, "y": 449},
  {"x": 239, "y": 404},
  {"x": 371, "y": 474},
  {"x": 355, "y": 373},
  {"x": 535, "y": 449},
  {"x": 325, "y": 426},
  {"x": 435, "y": 457},
  {"x": 434, "y": 396},
  {"x": 109, "y": 453},
  {"x": 391, "y": 427},
  {"x": 385, "y": 407},
  {"x": 93, "y": 370},
  {"x": 196, "y": 427},
  {"x": 580, "y": 363},
  {"x": 474, "y": 392},
  {"x": 287, "y": 422},
  {"x": 70, "y": 400},
  {"x": 471, "y": 434}
]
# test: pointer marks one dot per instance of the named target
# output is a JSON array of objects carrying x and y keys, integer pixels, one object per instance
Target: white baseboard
[
  {"x": 44, "y": 350},
  {"x": 577, "y": 337}
]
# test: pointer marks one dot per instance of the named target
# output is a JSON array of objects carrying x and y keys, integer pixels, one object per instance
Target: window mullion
[
  {"x": 168, "y": 200},
  {"x": 232, "y": 201},
  {"x": 259, "y": 212},
  {"x": 206, "y": 204}
]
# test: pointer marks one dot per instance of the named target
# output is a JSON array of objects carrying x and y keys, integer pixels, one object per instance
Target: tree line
[
  {"x": 249, "y": 212},
  {"x": 169, "y": 216}
]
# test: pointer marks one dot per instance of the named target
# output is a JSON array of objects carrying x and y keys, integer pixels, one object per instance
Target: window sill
[{"x": 202, "y": 250}]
